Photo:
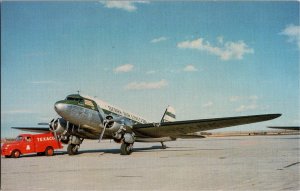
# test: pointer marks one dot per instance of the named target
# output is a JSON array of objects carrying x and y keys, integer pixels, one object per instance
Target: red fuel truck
[{"x": 31, "y": 143}]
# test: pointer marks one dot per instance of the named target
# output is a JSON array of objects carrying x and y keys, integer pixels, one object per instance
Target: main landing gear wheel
[
  {"x": 163, "y": 146},
  {"x": 126, "y": 149},
  {"x": 72, "y": 149}
]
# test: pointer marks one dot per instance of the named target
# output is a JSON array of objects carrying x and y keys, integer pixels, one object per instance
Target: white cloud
[
  {"x": 190, "y": 68},
  {"x": 293, "y": 34},
  {"x": 124, "y": 68},
  {"x": 239, "y": 98},
  {"x": 226, "y": 51},
  {"x": 160, "y": 39},
  {"x": 243, "y": 108},
  {"x": 151, "y": 72},
  {"x": 208, "y": 104},
  {"x": 253, "y": 97},
  {"x": 146, "y": 85},
  {"x": 220, "y": 39},
  {"x": 234, "y": 98},
  {"x": 42, "y": 82},
  {"x": 124, "y": 5},
  {"x": 246, "y": 103}
]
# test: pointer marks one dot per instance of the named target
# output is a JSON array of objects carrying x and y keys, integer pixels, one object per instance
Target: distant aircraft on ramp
[
  {"x": 83, "y": 117},
  {"x": 297, "y": 128}
]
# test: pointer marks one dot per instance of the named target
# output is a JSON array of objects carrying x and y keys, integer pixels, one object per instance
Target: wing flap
[{"x": 180, "y": 128}]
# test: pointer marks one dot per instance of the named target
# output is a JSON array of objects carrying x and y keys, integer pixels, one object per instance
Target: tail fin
[{"x": 169, "y": 115}]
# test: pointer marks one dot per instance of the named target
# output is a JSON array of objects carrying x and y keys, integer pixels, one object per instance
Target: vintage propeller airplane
[{"x": 83, "y": 117}]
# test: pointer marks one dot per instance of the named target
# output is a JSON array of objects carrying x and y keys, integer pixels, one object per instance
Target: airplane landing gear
[
  {"x": 163, "y": 146},
  {"x": 127, "y": 143},
  {"x": 72, "y": 149},
  {"x": 126, "y": 149},
  {"x": 74, "y": 145}
]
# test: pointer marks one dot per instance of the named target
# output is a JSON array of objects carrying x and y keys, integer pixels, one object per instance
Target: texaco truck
[{"x": 42, "y": 144}]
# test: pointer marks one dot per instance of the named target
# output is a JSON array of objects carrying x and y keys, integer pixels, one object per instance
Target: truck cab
[{"x": 31, "y": 143}]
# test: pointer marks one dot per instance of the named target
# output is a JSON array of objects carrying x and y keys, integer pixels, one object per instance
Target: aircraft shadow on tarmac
[
  {"x": 148, "y": 149},
  {"x": 117, "y": 151}
]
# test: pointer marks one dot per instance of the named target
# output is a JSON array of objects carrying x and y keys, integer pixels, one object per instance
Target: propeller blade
[
  {"x": 102, "y": 133},
  {"x": 55, "y": 135}
]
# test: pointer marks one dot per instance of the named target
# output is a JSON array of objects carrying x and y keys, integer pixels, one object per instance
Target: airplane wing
[
  {"x": 297, "y": 128},
  {"x": 179, "y": 129},
  {"x": 33, "y": 129}
]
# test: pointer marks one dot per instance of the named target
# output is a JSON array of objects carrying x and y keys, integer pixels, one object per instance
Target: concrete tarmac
[{"x": 223, "y": 163}]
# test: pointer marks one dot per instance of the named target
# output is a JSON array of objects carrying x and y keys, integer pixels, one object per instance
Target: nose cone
[{"x": 60, "y": 108}]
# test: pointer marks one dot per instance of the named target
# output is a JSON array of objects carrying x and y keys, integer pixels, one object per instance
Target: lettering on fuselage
[
  {"x": 40, "y": 139},
  {"x": 125, "y": 114}
]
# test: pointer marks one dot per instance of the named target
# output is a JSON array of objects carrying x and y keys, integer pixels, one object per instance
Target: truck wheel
[
  {"x": 72, "y": 149},
  {"x": 7, "y": 156},
  {"x": 16, "y": 154},
  {"x": 49, "y": 151}
]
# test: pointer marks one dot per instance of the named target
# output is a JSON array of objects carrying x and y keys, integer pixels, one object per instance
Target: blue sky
[{"x": 206, "y": 59}]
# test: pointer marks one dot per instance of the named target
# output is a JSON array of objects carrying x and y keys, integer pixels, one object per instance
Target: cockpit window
[
  {"x": 79, "y": 100},
  {"x": 89, "y": 104}
]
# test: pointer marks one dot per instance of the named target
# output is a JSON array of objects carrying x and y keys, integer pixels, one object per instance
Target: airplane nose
[{"x": 59, "y": 107}]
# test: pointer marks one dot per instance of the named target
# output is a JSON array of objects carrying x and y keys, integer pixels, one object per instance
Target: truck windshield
[{"x": 19, "y": 138}]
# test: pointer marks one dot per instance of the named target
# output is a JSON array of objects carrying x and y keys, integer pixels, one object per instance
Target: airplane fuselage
[{"x": 85, "y": 112}]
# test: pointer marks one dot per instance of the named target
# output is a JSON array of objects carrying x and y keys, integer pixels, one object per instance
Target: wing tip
[{"x": 276, "y": 115}]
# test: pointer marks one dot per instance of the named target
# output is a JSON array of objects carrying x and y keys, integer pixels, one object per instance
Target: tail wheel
[
  {"x": 49, "y": 151},
  {"x": 72, "y": 149},
  {"x": 126, "y": 149},
  {"x": 16, "y": 154}
]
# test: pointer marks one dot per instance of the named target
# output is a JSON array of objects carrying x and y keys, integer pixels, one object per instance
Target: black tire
[
  {"x": 126, "y": 149},
  {"x": 72, "y": 149},
  {"x": 7, "y": 156},
  {"x": 16, "y": 154},
  {"x": 49, "y": 151},
  {"x": 40, "y": 153}
]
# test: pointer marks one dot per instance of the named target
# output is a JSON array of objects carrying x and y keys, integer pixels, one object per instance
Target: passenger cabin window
[{"x": 19, "y": 138}]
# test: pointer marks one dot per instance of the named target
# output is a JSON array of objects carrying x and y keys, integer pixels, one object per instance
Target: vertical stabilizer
[{"x": 169, "y": 115}]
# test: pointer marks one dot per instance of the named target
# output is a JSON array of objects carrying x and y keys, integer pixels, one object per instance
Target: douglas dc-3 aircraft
[{"x": 83, "y": 117}]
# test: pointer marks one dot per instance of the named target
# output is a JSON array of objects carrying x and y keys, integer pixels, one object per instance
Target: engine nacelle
[
  {"x": 115, "y": 126},
  {"x": 58, "y": 125}
]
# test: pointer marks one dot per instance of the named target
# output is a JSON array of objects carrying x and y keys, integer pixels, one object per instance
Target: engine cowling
[{"x": 58, "y": 125}]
